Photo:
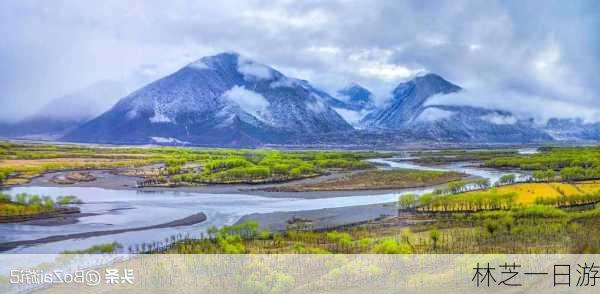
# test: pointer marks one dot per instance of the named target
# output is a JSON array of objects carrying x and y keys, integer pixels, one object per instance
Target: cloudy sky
[{"x": 535, "y": 58}]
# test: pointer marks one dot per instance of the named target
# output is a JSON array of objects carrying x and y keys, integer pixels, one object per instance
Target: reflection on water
[{"x": 119, "y": 209}]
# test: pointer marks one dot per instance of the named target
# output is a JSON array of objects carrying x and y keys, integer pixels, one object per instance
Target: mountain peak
[
  {"x": 428, "y": 84},
  {"x": 356, "y": 97}
]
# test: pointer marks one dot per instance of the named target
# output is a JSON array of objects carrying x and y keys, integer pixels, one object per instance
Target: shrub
[
  {"x": 4, "y": 198},
  {"x": 390, "y": 246},
  {"x": 340, "y": 238}
]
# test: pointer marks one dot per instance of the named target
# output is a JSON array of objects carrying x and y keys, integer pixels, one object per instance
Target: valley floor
[{"x": 477, "y": 206}]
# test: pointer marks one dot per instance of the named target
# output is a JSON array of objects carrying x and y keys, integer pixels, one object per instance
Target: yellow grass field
[
  {"x": 527, "y": 193},
  {"x": 29, "y": 168}
]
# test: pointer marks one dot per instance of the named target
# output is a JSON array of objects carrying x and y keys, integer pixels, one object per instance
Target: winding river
[{"x": 123, "y": 209}]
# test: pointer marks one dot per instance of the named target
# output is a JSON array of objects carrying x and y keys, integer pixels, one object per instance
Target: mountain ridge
[{"x": 228, "y": 100}]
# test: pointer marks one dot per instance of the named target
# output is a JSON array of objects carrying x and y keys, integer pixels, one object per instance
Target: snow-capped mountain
[
  {"x": 409, "y": 111},
  {"x": 224, "y": 100}
]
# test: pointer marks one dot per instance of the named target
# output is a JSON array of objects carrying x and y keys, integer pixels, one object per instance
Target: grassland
[
  {"x": 380, "y": 179},
  {"x": 162, "y": 166}
]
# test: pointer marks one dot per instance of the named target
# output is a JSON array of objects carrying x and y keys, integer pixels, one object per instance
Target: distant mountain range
[{"x": 229, "y": 100}]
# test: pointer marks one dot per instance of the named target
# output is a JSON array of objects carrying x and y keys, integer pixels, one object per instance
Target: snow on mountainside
[
  {"x": 224, "y": 100},
  {"x": 353, "y": 103},
  {"x": 572, "y": 129},
  {"x": 408, "y": 101},
  {"x": 355, "y": 97},
  {"x": 409, "y": 111}
]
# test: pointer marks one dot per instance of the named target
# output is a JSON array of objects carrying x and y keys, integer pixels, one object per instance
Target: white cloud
[
  {"x": 351, "y": 116},
  {"x": 284, "y": 83},
  {"x": 253, "y": 70},
  {"x": 325, "y": 49},
  {"x": 376, "y": 63},
  {"x": 249, "y": 101},
  {"x": 316, "y": 106},
  {"x": 521, "y": 105},
  {"x": 278, "y": 19},
  {"x": 474, "y": 47},
  {"x": 199, "y": 65},
  {"x": 499, "y": 119},
  {"x": 432, "y": 114},
  {"x": 386, "y": 71}
]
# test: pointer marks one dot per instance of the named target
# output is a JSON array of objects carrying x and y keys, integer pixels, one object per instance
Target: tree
[
  {"x": 406, "y": 234},
  {"x": 491, "y": 226},
  {"x": 342, "y": 239},
  {"x": 506, "y": 179},
  {"x": 483, "y": 183},
  {"x": 572, "y": 173},
  {"x": 391, "y": 246},
  {"x": 434, "y": 235},
  {"x": 4, "y": 198},
  {"x": 3, "y": 176},
  {"x": 457, "y": 186},
  {"x": 545, "y": 175},
  {"x": 407, "y": 201},
  {"x": 212, "y": 232}
]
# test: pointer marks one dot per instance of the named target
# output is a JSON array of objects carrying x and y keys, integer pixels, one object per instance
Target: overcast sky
[{"x": 537, "y": 58}]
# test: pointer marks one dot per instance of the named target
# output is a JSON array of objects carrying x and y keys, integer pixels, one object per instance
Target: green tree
[
  {"x": 543, "y": 175},
  {"x": 407, "y": 201},
  {"x": 457, "y": 186},
  {"x": 434, "y": 235},
  {"x": 391, "y": 246},
  {"x": 482, "y": 183},
  {"x": 572, "y": 173},
  {"x": 506, "y": 180}
]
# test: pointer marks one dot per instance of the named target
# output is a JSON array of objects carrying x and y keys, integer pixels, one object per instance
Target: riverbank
[
  {"x": 43, "y": 216},
  {"x": 375, "y": 180},
  {"x": 323, "y": 218},
  {"x": 187, "y": 221}
]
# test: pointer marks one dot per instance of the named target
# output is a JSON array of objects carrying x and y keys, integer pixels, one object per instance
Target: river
[{"x": 122, "y": 209}]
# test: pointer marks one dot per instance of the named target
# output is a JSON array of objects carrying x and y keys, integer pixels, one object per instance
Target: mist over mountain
[
  {"x": 572, "y": 129},
  {"x": 65, "y": 113}
]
